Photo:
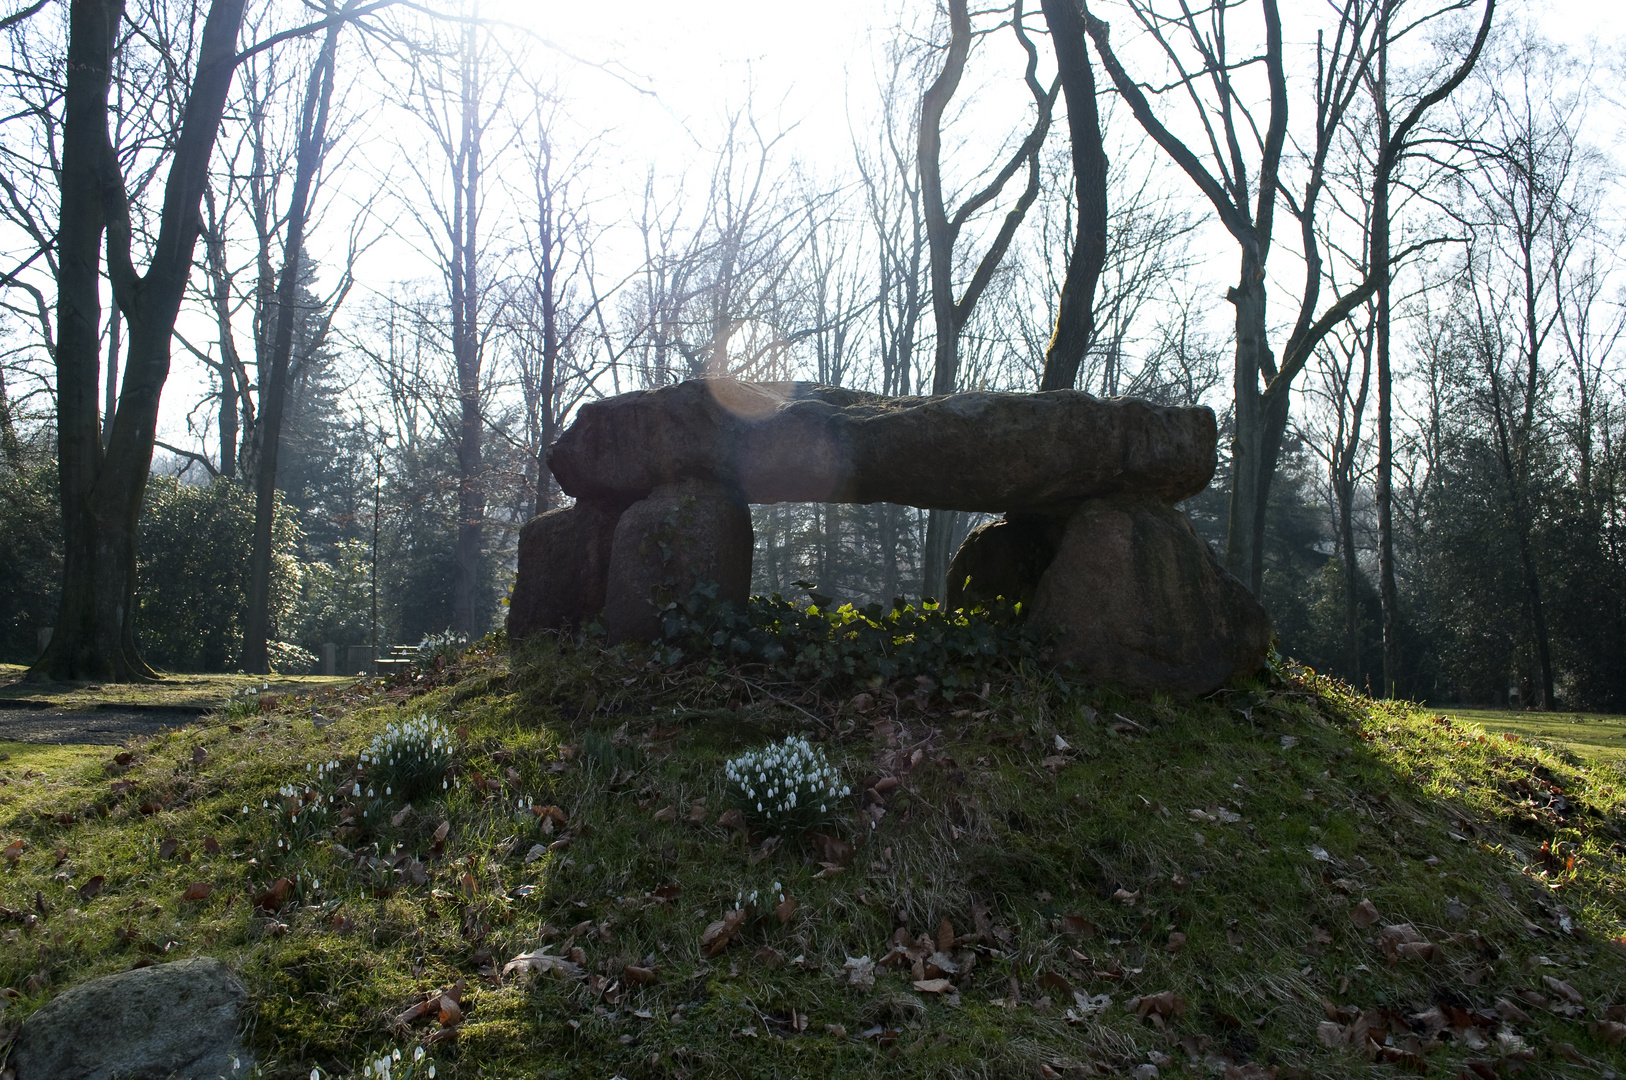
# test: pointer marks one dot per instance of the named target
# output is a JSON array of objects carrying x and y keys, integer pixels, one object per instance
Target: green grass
[
  {"x": 1059, "y": 837},
  {"x": 1599, "y": 737},
  {"x": 190, "y": 690}
]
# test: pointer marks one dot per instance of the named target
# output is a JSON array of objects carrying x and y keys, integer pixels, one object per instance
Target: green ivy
[{"x": 870, "y": 646}]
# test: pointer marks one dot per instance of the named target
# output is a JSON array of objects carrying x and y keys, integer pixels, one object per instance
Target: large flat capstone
[{"x": 798, "y": 442}]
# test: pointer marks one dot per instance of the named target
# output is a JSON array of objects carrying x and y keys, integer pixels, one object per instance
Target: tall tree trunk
[
  {"x": 1344, "y": 492},
  {"x": 1075, "y": 313},
  {"x": 112, "y": 400},
  {"x": 1250, "y": 471},
  {"x": 951, "y": 315},
  {"x": 274, "y": 382},
  {"x": 1388, "y": 592},
  {"x": 102, "y": 492},
  {"x": 466, "y": 348}
]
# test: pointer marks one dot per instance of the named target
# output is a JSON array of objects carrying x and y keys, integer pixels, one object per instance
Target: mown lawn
[
  {"x": 1597, "y": 737},
  {"x": 190, "y": 690},
  {"x": 1031, "y": 879}
]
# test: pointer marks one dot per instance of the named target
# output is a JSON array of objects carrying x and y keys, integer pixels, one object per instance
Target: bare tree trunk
[
  {"x": 471, "y": 501},
  {"x": 274, "y": 382},
  {"x": 1075, "y": 312},
  {"x": 102, "y": 492},
  {"x": 950, "y": 315},
  {"x": 112, "y": 401}
]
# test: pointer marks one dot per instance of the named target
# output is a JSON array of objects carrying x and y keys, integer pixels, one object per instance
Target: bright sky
[{"x": 796, "y": 62}]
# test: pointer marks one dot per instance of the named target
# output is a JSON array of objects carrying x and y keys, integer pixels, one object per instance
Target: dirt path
[{"x": 105, "y": 727}]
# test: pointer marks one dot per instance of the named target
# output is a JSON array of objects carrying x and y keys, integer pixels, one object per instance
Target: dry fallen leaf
[
  {"x": 91, "y": 888},
  {"x": 539, "y": 960},
  {"x": 716, "y": 937},
  {"x": 1159, "y": 1007},
  {"x": 198, "y": 890},
  {"x": 1563, "y": 990},
  {"x": 211, "y": 845},
  {"x": 666, "y": 815},
  {"x": 933, "y": 986},
  {"x": 198, "y": 755},
  {"x": 1511, "y": 1012},
  {"x": 785, "y": 910},
  {"x": 641, "y": 975},
  {"x": 1055, "y": 983},
  {"x": 1608, "y": 1032},
  {"x": 831, "y": 850},
  {"x": 860, "y": 972},
  {"x": 697, "y": 814},
  {"x": 167, "y": 847},
  {"x": 442, "y": 832},
  {"x": 945, "y": 935},
  {"x": 1078, "y": 925},
  {"x": 1177, "y": 941},
  {"x": 451, "y": 1011},
  {"x": 1400, "y": 940},
  {"x": 1126, "y": 898},
  {"x": 732, "y": 819},
  {"x": 1364, "y": 914},
  {"x": 270, "y": 902},
  {"x": 400, "y": 816}
]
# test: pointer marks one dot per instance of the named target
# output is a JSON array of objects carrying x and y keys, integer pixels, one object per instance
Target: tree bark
[
  {"x": 274, "y": 385},
  {"x": 465, "y": 297},
  {"x": 951, "y": 315},
  {"x": 1075, "y": 312},
  {"x": 102, "y": 492}
]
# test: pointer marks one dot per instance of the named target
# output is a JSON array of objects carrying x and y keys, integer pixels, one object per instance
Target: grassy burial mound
[{"x": 553, "y": 864}]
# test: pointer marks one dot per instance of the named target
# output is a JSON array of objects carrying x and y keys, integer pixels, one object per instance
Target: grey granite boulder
[{"x": 178, "y": 1020}]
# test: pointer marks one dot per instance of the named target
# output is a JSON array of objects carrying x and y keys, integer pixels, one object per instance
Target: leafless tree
[
  {"x": 1207, "y": 62},
  {"x": 950, "y": 313}
]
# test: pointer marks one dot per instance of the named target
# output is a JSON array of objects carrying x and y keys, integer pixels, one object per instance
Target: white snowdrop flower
[
  {"x": 417, "y": 1055},
  {"x": 316, "y": 1074}
]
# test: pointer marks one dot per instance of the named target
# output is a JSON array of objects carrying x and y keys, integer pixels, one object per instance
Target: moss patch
[{"x": 1205, "y": 865}]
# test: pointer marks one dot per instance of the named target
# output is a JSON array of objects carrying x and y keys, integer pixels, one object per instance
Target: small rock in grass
[{"x": 176, "y": 1019}]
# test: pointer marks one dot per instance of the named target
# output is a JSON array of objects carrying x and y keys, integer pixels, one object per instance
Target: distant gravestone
[
  {"x": 176, "y": 1020},
  {"x": 45, "y": 637},
  {"x": 330, "y": 658}
]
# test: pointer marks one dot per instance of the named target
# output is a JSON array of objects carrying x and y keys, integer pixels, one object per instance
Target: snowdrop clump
[
  {"x": 245, "y": 702},
  {"x": 444, "y": 644},
  {"x": 760, "y": 899},
  {"x": 302, "y": 810},
  {"x": 409, "y": 760},
  {"x": 785, "y": 787},
  {"x": 391, "y": 1066}
]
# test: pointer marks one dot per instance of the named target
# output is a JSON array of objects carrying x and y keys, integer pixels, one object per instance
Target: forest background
[{"x": 504, "y": 211}]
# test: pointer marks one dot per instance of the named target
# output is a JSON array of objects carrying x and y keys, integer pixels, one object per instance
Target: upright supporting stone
[
  {"x": 682, "y": 535},
  {"x": 1003, "y": 558},
  {"x": 564, "y": 564},
  {"x": 1140, "y": 600}
]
